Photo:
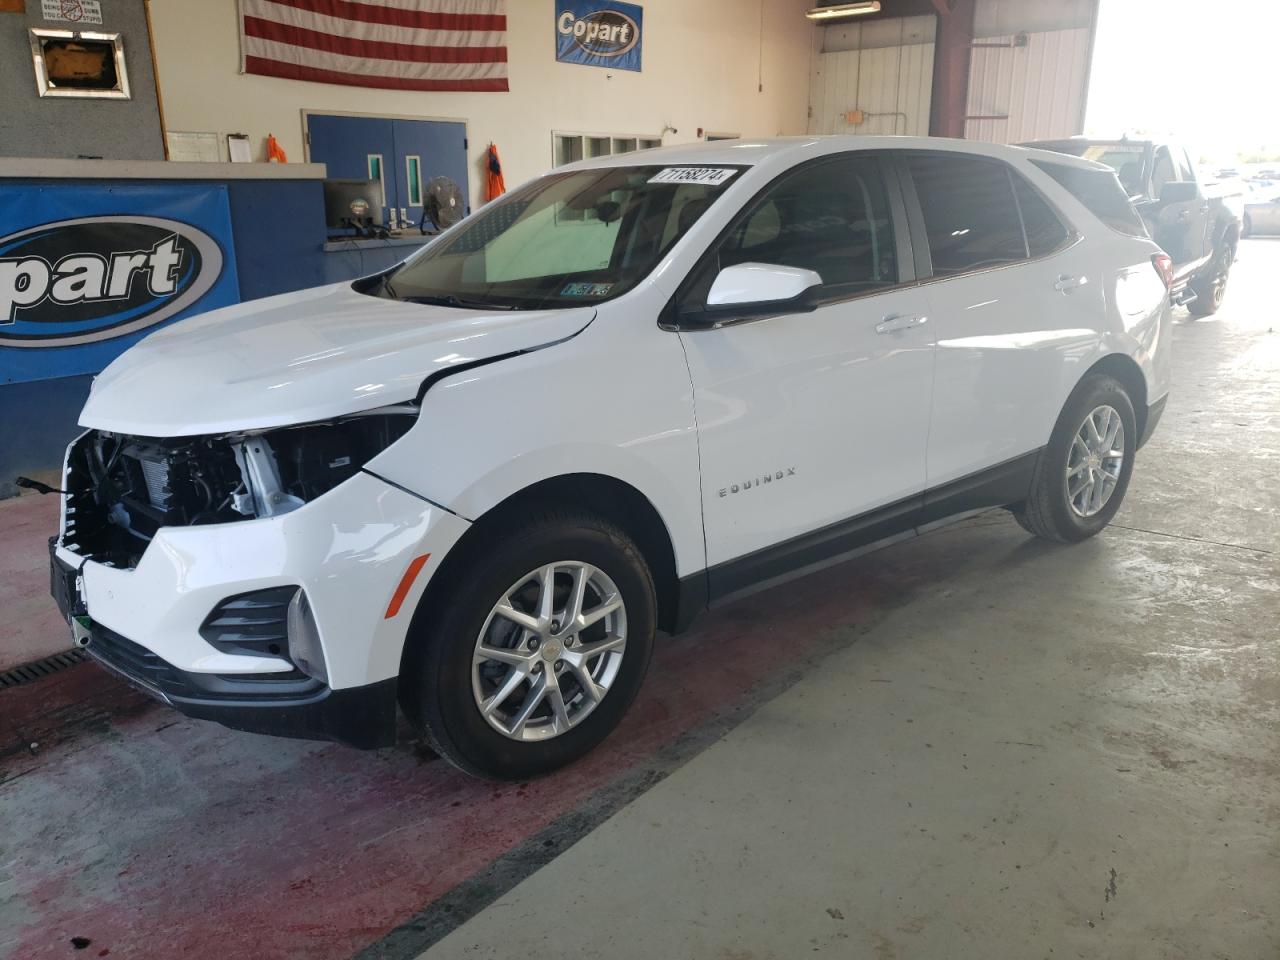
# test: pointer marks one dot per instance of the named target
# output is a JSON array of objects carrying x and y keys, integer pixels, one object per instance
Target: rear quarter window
[{"x": 1101, "y": 194}]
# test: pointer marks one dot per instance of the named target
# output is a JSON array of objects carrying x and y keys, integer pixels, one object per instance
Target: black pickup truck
[{"x": 1197, "y": 227}]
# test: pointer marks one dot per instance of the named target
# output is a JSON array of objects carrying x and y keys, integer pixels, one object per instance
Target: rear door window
[
  {"x": 1101, "y": 193},
  {"x": 970, "y": 213},
  {"x": 1045, "y": 231}
]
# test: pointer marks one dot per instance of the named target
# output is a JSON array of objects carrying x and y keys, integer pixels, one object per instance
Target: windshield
[{"x": 569, "y": 239}]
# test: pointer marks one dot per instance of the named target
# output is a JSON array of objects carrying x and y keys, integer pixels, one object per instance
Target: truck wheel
[
  {"x": 1211, "y": 286},
  {"x": 540, "y": 642},
  {"x": 1083, "y": 472}
]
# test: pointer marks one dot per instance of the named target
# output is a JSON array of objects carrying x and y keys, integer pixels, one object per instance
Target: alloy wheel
[
  {"x": 1218, "y": 286},
  {"x": 549, "y": 651},
  {"x": 1095, "y": 461}
]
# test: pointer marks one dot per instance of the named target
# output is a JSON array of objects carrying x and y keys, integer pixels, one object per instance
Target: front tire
[
  {"x": 1082, "y": 474},
  {"x": 538, "y": 642}
]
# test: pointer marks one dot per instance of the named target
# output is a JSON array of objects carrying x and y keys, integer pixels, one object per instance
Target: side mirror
[
  {"x": 748, "y": 290},
  {"x": 1179, "y": 191}
]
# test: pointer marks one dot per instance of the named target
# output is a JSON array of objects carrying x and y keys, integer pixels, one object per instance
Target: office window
[
  {"x": 570, "y": 147},
  {"x": 413, "y": 172}
]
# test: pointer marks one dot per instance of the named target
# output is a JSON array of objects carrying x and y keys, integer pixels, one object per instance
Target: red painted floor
[
  {"x": 154, "y": 836},
  {"x": 29, "y": 624}
]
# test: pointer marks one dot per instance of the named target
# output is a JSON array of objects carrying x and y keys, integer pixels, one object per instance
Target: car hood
[{"x": 300, "y": 357}]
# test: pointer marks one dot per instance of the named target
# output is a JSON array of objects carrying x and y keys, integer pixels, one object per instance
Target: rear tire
[
  {"x": 489, "y": 648},
  {"x": 1059, "y": 507},
  {"x": 1211, "y": 286}
]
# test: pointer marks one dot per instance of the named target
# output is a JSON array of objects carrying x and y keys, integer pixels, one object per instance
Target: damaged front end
[{"x": 122, "y": 489}]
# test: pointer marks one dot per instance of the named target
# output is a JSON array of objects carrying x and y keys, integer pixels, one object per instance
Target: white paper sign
[
  {"x": 72, "y": 11},
  {"x": 710, "y": 176}
]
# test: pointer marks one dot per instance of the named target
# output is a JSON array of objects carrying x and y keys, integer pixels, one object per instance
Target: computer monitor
[{"x": 352, "y": 204}]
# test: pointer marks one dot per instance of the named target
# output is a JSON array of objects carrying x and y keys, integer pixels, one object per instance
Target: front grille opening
[{"x": 121, "y": 490}]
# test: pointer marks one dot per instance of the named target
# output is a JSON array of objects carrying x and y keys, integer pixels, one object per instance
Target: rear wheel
[
  {"x": 537, "y": 649},
  {"x": 1211, "y": 286},
  {"x": 1082, "y": 474}
]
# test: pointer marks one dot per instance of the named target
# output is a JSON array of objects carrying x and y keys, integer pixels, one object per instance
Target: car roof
[{"x": 753, "y": 151}]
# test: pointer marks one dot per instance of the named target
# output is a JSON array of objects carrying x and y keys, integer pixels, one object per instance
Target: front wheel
[
  {"x": 539, "y": 644},
  {"x": 1083, "y": 472}
]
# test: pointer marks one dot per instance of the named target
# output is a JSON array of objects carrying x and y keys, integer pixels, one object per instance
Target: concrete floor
[{"x": 970, "y": 745}]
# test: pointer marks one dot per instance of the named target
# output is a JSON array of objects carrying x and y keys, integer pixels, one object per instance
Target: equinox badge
[{"x": 757, "y": 481}]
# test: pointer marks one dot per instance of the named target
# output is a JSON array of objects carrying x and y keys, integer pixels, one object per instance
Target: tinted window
[
  {"x": 1162, "y": 170},
  {"x": 1185, "y": 170},
  {"x": 833, "y": 218},
  {"x": 969, "y": 212},
  {"x": 1101, "y": 193},
  {"x": 1045, "y": 232}
]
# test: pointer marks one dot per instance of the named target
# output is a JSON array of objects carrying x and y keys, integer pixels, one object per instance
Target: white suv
[{"x": 475, "y": 485}]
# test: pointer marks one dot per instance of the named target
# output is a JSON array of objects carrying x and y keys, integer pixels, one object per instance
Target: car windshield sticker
[
  {"x": 710, "y": 176},
  {"x": 586, "y": 289}
]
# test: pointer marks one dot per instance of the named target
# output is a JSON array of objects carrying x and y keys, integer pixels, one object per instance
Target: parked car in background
[
  {"x": 475, "y": 484},
  {"x": 1262, "y": 211},
  {"x": 1198, "y": 226}
]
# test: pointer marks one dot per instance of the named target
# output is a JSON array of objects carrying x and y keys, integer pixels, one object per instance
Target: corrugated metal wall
[
  {"x": 1038, "y": 88},
  {"x": 884, "y": 69},
  {"x": 1035, "y": 82}
]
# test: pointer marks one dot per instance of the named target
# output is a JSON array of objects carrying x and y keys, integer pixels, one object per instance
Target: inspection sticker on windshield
[
  {"x": 710, "y": 176},
  {"x": 586, "y": 289}
]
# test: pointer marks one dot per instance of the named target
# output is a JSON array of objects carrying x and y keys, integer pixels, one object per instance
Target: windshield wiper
[{"x": 449, "y": 300}]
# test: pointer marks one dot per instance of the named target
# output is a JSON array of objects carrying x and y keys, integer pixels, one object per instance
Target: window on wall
[
  {"x": 375, "y": 171},
  {"x": 413, "y": 175},
  {"x": 569, "y": 147}
]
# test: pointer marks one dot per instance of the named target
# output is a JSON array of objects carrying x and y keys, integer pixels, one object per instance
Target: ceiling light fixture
[{"x": 840, "y": 10}]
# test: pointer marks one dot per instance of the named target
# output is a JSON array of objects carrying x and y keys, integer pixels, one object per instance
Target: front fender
[{"x": 615, "y": 400}]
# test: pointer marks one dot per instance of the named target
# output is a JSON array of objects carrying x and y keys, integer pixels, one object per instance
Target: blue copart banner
[
  {"x": 86, "y": 271},
  {"x": 599, "y": 34}
]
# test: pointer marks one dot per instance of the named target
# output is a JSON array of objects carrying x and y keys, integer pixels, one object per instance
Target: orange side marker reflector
[{"x": 402, "y": 591}]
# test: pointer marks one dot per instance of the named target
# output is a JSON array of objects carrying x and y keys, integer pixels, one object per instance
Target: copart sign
[
  {"x": 599, "y": 34},
  {"x": 75, "y": 291}
]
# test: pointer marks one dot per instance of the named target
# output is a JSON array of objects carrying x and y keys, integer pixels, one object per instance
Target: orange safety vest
[{"x": 495, "y": 186}]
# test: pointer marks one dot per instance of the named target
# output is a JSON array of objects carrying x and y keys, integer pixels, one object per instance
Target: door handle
[
  {"x": 1065, "y": 283},
  {"x": 900, "y": 322}
]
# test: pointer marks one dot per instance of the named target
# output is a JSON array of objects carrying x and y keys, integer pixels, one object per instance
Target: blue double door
[{"x": 403, "y": 154}]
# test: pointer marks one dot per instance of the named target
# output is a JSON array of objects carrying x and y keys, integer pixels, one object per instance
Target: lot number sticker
[{"x": 710, "y": 176}]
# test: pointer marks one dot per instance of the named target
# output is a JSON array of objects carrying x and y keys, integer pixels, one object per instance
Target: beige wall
[{"x": 702, "y": 67}]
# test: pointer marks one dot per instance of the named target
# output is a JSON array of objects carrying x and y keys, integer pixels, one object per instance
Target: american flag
[{"x": 398, "y": 44}]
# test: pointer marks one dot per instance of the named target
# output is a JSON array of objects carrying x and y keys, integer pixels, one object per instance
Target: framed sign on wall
[
  {"x": 599, "y": 33},
  {"x": 72, "y": 63}
]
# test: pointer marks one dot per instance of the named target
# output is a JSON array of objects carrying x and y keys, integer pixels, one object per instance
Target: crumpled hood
[{"x": 302, "y": 356}]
